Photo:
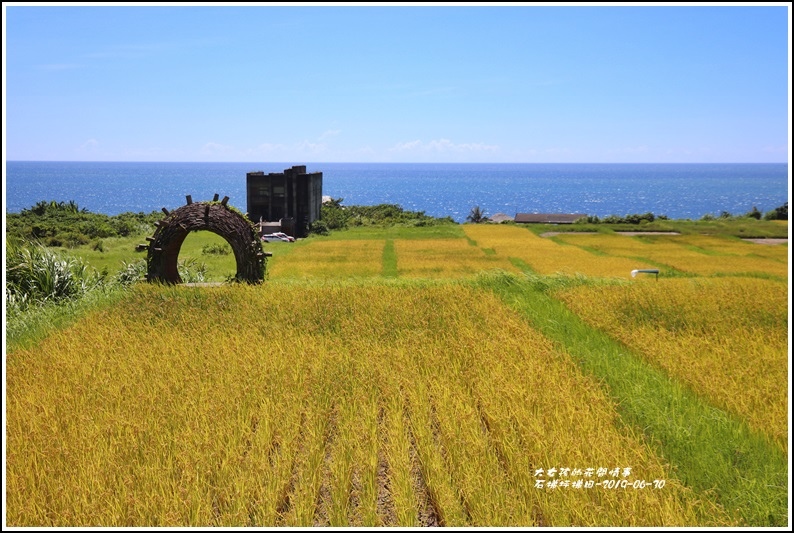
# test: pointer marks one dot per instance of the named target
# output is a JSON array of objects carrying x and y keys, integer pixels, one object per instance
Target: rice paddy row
[{"x": 486, "y": 246}]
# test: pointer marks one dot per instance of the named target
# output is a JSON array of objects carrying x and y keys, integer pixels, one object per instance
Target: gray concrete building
[{"x": 292, "y": 198}]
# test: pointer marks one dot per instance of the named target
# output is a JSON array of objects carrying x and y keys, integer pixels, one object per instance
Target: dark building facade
[{"x": 292, "y": 194}]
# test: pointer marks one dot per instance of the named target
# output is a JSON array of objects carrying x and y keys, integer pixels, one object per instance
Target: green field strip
[
  {"x": 389, "y": 260},
  {"x": 712, "y": 452},
  {"x": 704, "y": 251},
  {"x": 521, "y": 265}
]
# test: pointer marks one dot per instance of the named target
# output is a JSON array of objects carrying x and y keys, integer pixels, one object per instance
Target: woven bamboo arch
[{"x": 216, "y": 217}]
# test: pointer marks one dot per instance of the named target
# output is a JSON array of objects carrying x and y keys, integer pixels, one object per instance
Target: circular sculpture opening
[{"x": 216, "y": 217}]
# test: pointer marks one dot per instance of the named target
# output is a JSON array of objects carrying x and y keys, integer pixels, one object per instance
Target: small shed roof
[{"x": 549, "y": 218}]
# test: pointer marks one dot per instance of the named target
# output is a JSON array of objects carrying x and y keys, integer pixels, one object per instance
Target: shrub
[
  {"x": 35, "y": 274},
  {"x": 216, "y": 249},
  {"x": 779, "y": 213},
  {"x": 59, "y": 220},
  {"x": 191, "y": 271},
  {"x": 73, "y": 240},
  {"x": 131, "y": 272},
  {"x": 318, "y": 227}
]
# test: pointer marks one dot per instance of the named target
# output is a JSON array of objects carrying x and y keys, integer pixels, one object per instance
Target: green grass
[
  {"x": 712, "y": 452},
  {"x": 389, "y": 260},
  {"x": 115, "y": 250},
  {"x": 219, "y": 267},
  {"x": 37, "y": 322}
]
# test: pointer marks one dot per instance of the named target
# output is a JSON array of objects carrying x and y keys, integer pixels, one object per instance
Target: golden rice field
[
  {"x": 331, "y": 395},
  {"x": 369, "y": 404},
  {"x": 693, "y": 254},
  {"x": 330, "y": 259},
  {"x": 740, "y": 247},
  {"x": 548, "y": 257},
  {"x": 491, "y": 246},
  {"x": 444, "y": 258},
  {"x": 726, "y": 338}
]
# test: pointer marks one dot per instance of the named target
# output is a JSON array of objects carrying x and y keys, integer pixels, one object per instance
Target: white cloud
[
  {"x": 90, "y": 144},
  {"x": 402, "y": 147},
  {"x": 214, "y": 148},
  {"x": 329, "y": 133},
  {"x": 313, "y": 148},
  {"x": 443, "y": 146},
  {"x": 271, "y": 147}
]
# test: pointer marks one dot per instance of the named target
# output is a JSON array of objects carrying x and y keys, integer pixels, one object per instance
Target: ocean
[{"x": 675, "y": 190}]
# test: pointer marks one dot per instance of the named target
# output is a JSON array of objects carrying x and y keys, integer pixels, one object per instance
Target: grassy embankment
[{"x": 420, "y": 400}]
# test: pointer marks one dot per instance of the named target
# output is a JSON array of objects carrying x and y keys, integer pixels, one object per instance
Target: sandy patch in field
[
  {"x": 633, "y": 233},
  {"x": 767, "y": 241},
  {"x": 553, "y": 233},
  {"x": 629, "y": 233}
]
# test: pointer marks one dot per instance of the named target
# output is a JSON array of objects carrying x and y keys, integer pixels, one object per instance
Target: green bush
[
  {"x": 216, "y": 249},
  {"x": 318, "y": 227},
  {"x": 131, "y": 272},
  {"x": 191, "y": 271},
  {"x": 779, "y": 213},
  {"x": 335, "y": 216},
  {"x": 65, "y": 224},
  {"x": 37, "y": 275}
]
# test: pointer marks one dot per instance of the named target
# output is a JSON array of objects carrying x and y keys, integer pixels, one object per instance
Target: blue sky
[{"x": 463, "y": 83}]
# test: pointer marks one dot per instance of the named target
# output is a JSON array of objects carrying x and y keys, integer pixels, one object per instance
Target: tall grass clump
[
  {"x": 46, "y": 290},
  {"x": 36, "y": 275}
]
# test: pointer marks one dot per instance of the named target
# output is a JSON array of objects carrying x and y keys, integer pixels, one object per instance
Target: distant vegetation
[
  {"x": 335, "y": 216},
  {"x": 779, "y": 213},
  {"x": 627, "y": 219},
  {"x": 65, "y": 224}
]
